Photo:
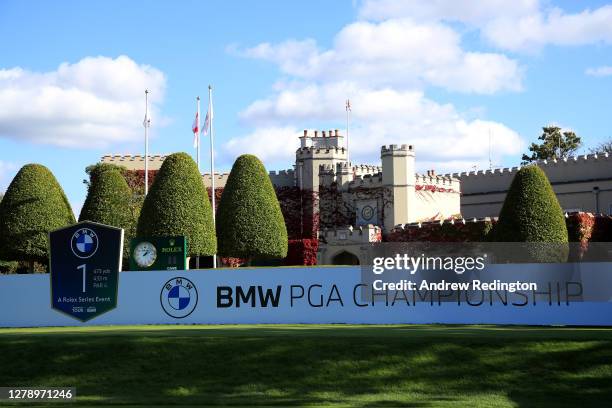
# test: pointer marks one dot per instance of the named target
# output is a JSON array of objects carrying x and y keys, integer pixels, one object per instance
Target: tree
[
  {"x": 109, "y": 201},
  {"x": 531, "y": 213},
  {"x": 177, "y": 204},
  {"x": 34, "y": 204},
  {"x": 249, "y": 219},
  {"x": 604, "y": 147},
  {"x": 554, "y": 143}
]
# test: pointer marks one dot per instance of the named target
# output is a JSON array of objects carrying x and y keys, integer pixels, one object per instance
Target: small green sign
[{"x": 158, "y": 253}]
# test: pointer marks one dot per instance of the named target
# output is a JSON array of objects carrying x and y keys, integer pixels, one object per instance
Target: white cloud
[
  {"x": 384, "y": 63},
  {"x": 553, "y": 27},
  {"x": 271, "y": 144},
  {"x": 599, "y": 71},
  {"x": 442, "y": 138},
  {"x": 92, "y": 103},
  {"x": 468, "y": 11},
  {"x": 398, "y": 53},
  {"x": 519, "y": 25}
]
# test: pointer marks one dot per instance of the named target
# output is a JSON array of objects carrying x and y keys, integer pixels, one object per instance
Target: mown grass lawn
[{"x": 405, "y": 365}]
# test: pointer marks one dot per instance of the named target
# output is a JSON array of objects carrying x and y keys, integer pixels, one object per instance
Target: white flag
[
  {"x": 147, "y": 120},
  {"x": 209, "y": 116}
]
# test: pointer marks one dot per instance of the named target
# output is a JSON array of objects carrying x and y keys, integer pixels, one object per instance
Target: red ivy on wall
[
  {"x": 302, "y": 252},
  {"x": 433, "y": 189}
]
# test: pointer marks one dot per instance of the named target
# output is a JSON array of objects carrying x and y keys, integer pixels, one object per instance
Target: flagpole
[
  {"x": 212, "y": 163},
  {"x": 146, "y": 126},
  {"x": 348, "y": 116},
  {"x": 198, "y": 135}
]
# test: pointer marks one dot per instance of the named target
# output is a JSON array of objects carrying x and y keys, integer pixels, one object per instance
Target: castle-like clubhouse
[{"x": 357, "y": 202}]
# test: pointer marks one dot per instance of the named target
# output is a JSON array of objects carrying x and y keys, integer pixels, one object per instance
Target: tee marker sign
[{"x": 85, "y": 260}]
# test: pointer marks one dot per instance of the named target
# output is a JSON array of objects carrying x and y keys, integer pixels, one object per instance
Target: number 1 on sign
[{"x": 84, "y": 268}]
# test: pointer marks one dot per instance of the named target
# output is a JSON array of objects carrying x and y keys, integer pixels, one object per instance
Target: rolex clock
[
  {"x": 145, "y": 254},
  {"x": 158, "y": 253}
]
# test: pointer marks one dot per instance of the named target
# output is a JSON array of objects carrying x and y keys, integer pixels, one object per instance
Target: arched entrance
[{"x": 345, "y": 258}]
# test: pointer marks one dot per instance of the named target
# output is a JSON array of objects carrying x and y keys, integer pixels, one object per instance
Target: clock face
[
  {"x": 367, "y": 212},
  {"x": 145, "y": 254}
]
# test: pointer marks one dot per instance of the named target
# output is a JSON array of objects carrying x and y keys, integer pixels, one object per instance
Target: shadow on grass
[{"x": 419, "y": 367}]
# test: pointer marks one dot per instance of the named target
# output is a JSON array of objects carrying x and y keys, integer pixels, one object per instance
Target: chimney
[
  {"x": 323, "y": 132},
  {"x": 305, "y": 132},
  {"x": 316, "y": 133},
  {"x": 336, "y": 132}
]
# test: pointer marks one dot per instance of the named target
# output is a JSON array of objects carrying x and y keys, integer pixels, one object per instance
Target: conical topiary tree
[
  {"x": 109, "y": 201},
  {"x": 531, "y": 213},
  {"x": 177, "y": 204},
  {"x": 34, "y": 204},
  {"x": 249, "y": 219}
]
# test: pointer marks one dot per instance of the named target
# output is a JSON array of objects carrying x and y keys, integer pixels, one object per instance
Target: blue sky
[{"x": 441, "y": 75}]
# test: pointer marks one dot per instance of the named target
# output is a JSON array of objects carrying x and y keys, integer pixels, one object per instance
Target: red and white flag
[{"x": 195, "y": 128}]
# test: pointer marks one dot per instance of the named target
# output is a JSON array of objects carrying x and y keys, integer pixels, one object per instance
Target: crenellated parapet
[
  {"x": 351, "y": 235},
  {"x": 323, "y": 138},
  {"x": 320, "y": 152},
  {"x": 366, "y": 181},
  {"x": 571, "y": 168},
  {"x": 363, "y": 169},
  {"x": 439, "y": 183},
  {"x": 220, "y": 180},
  {"x": 394, "y": 149},
  {"x": 437, "y": 223},
  {"x": 134, "y": 161},
  {"x": 283, "y": 178}
]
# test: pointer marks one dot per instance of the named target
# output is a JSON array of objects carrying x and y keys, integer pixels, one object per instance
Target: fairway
[{"x": 402, "y": 365}]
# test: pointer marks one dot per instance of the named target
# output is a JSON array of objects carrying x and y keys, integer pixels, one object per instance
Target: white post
[
  {"x": 490, "y": 160},
  {"x": 212, "y": 163},
  {"x": 348, "y": 110},
  {"x": 198, "y": 135},
  {"x": 146, "y": 158}
]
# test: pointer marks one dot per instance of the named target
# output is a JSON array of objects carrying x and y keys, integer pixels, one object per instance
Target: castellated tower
[
  {"x": 319, "y": 149},
  {"x": 399, "y": 181}
]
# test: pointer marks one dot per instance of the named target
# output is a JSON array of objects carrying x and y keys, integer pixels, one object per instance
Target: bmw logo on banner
[
  {"x": 84, "y": 243},
  {"x": 179, "y": 297}
]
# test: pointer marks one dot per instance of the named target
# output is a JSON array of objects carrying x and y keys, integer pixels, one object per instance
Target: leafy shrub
[
  {"x": 34, "y": 204},
  {"x": 177, "y": 204},
  {"x": 249, "y": 219},
  {"x": 531, "y": 213},
  {"x": 109, "y": 201}
]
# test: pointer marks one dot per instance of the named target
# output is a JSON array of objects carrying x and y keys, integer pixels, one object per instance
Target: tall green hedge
[
  {"x": 109, "y": 201},
  {"x": 34, "y": 204},
  {"x": 177, "y": 204},
  {"x": 531, "y": 213},
  {"x": 249, "y": 219}
]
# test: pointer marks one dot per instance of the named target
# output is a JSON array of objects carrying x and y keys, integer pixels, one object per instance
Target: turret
[
  {"x": 325, "y": 148},
  {"x": 399, "y": 180}
]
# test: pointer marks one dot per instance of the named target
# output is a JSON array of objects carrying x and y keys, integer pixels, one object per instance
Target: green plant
[
  {"x": 553, "y": 144},
  {"x": 109, "y": 201},
  {"x": 249, "y": 219},
  {"x": 531, "y": 213},
  {"x": 34, "y": 204},
  {"x": 177, "y": 204}
]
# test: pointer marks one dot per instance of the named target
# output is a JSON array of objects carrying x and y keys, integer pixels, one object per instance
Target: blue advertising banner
[
  {"x": 324, "y": 295},
  {"x": 85, "y": 260}
]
